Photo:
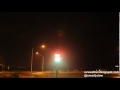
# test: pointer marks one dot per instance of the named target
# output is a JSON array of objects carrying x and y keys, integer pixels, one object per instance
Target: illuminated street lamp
[
  {"x": 42, "y": 60},
  {"x": 43, "y": 46},
  {"x": 37, "y": 53}
]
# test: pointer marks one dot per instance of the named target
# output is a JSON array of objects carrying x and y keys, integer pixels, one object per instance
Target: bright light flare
[
  {"x": 57, "y": 59},
  {"x": 43, "y": 46},
  {"x": 57, "y": 55}
]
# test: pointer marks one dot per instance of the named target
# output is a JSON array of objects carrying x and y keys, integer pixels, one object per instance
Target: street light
[
  {"x": 42, "y": 60},
  {"x": 43, "y": 46},
  {"x": 37, "y": 53}
]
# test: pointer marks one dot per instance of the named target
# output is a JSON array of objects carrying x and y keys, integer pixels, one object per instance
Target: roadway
[{"x": 62, "y": 74}]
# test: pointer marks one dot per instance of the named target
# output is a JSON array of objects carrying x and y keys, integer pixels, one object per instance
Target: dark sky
[{"x": 84, "y": 39}]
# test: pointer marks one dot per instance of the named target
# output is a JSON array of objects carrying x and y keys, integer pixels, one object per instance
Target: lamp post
[
  {"x": 42, "y": 64},
  {"x": 42, "y": 61},
  {"x": 31, "y": 59},
  {"x": 43, "y": 46}
]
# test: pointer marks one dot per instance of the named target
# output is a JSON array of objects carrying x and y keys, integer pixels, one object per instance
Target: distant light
[
  {"x": 37, "y": 53},
  {"x": 57, "y": 59},
  {"x": 116, "y": 66},
  {"x": 57, "y": 55},
  {"x": 8, "y": 67},
  {"x": 43, "y": 46}
]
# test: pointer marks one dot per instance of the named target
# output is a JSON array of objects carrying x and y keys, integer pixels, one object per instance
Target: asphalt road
[{"x": 62, "y": 74}]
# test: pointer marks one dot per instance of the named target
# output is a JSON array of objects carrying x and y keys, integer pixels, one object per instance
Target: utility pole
[
  {"x": 31, "y": 59},
  {"x": 42, "y": 63},
  {"x": 3, "y": 65}
]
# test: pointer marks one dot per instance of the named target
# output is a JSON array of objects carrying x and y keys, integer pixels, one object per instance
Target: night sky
[{"x": 87, "y": 40}]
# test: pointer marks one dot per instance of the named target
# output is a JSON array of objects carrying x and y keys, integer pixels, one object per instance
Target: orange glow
[
  {"x": 43, "y": 46},
  {"x": 37, "y": 53}
]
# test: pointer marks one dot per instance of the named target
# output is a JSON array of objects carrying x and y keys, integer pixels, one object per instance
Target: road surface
[{"x": 62, "y": 74}]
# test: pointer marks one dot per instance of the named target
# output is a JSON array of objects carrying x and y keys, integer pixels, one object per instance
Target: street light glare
[
  {"x": 43, "y": 46},
  {"x": 36, "y": 52}
]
